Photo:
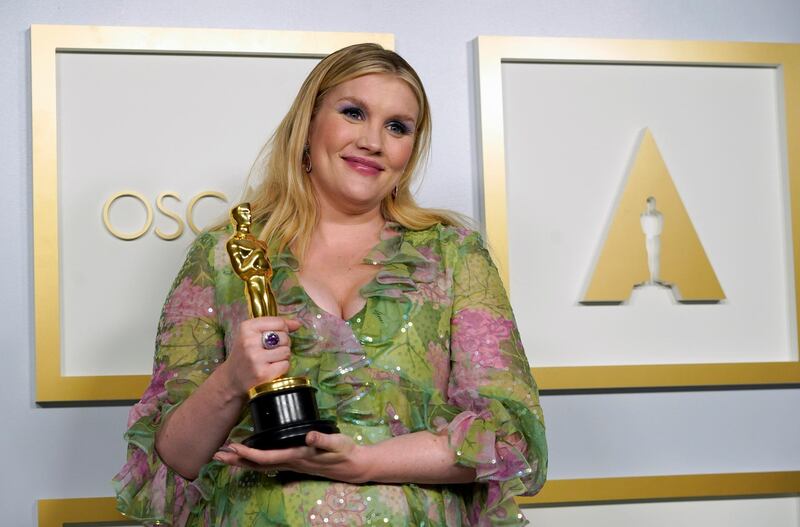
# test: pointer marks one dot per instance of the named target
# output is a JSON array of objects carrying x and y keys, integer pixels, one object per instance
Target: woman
[{"x": 396, "y": 313}]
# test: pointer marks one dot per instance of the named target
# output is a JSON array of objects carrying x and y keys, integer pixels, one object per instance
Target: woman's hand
[
  {"x": 332, "y": 456},
  {"x": 249, "y": 363}
]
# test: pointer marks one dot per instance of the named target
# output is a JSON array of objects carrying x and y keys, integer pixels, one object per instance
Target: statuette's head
[{"x": 241, "y": 216}]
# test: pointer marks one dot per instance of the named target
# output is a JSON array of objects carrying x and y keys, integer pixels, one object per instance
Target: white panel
[
  {"x": 149, "y": 123},
  {"x": 650, "y": 434},
  {"x": 772, "y": 512},
  {"x": 570, "y": 134}
]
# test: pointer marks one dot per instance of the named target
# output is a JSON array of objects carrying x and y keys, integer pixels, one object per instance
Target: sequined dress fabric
[{"x": 435, "y": 348}]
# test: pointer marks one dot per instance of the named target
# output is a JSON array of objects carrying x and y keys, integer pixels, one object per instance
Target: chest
[{"x": 333, "y": 281}]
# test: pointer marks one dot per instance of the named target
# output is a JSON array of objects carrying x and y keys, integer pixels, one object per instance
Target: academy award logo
[{"x": 651, "y": 241}]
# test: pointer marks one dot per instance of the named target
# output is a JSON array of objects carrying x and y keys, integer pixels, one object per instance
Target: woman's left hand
[{"x": 332, "y": 456}]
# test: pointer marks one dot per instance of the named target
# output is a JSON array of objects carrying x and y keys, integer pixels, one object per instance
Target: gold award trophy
[{"x": 285, "y": 409}]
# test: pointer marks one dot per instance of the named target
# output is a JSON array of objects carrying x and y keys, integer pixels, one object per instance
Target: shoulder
[
  {"x": 446, "y": 236},
  {"x": 450, "y": 245},
  {"x": 207, "y": 241},
  {"x": 208, "y": 250}
]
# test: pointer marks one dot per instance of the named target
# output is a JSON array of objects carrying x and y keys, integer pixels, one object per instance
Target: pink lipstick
[{"x": 363, "y": 165}]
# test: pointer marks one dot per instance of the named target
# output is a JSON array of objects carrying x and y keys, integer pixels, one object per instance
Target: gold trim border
[
  {"x": 493, "y": 51},
  {"x": 652, "y": 488},
  {"x": 662, "y": 376},
  {"x": 62, "y": 512},
  {"x": 59, "y": 512},
  {"x": 46, "y": 42}
]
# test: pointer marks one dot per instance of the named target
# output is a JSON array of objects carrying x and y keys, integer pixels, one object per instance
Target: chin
[
  {"x": 363, "y": 198},
  {"x": 361, "y": 205}
]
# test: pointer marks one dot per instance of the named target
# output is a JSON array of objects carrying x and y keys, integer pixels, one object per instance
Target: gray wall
[{"x": 73, "y": 452}]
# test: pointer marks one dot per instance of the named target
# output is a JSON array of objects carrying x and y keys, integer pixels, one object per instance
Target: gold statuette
[
  {"x": 250, "y": 263},
  {"x": 285, "y": 409}
]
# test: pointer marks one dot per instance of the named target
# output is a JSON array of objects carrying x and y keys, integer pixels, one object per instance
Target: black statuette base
[
  {"x": 281, "y": 419},
  {"x": 290, "y": 436}
]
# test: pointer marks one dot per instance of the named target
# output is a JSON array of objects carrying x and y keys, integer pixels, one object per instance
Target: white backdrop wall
[{"x": 73, "y": 452}]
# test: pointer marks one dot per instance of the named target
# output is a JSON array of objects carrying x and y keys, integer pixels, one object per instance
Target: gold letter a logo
[{"x": 651, "y": 240}]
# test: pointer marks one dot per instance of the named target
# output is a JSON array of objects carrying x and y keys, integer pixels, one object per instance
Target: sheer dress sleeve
[
  {"x": 492, "y": 414},
  {"x": 189, "y": 345}
]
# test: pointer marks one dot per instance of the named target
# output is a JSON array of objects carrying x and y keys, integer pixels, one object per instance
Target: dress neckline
[
  {"x": 309, "y": 300},
  {"x": 375, "y": 256}
]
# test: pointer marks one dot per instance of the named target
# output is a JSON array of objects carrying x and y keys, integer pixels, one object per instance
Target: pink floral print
[
  {"x": 480, "y": 334},
  {"x": 189, "y": 301},
  {"x": 440, "y": 365}
]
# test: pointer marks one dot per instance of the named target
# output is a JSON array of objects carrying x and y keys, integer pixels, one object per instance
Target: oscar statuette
[{"x": 284, "y": 409}]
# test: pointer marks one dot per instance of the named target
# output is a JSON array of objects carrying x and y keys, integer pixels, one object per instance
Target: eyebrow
[{"x": 361, "y": 103}]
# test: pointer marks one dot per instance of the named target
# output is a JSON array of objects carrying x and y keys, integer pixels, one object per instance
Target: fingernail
[{"x": 227, "y": 448}]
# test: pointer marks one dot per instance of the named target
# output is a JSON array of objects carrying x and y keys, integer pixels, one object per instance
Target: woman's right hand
[{"x": 249, "y": 363}]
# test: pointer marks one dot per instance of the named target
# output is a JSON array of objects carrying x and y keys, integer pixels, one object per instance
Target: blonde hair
[{"x": 285, "y": 201}]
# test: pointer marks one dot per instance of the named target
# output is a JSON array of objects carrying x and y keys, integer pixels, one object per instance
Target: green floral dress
[{"x": 435, "y": 348}]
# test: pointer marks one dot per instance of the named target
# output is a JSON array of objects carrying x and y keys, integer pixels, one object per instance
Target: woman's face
[{"x": 361, "y": 139}]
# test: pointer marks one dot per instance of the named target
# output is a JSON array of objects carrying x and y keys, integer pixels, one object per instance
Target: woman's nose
[{"x": 370, "y": 138}]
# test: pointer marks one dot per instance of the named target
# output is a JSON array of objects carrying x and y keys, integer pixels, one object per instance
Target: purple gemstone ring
[{"x": 270, "y": 340}]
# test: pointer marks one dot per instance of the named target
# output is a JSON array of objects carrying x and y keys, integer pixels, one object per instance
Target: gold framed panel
[
  {"x": 88, "y": 511},
  {"x": 492, "y": 52},
  {"x": 46, "y": 42}
]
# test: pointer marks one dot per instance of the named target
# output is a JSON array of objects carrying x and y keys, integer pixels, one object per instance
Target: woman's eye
[
  {"x": 396, "y": 127},
  {"x": 353, "y": 113}
]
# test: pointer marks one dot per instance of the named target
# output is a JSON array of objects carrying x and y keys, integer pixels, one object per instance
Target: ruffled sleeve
[
  {"x": 492, "y": 414},
  {"x": 189, "y": 345}
]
